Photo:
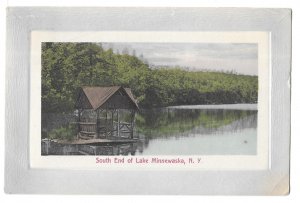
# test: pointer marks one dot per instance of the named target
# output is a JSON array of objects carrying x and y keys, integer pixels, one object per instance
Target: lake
[{"x": 179, "y": 130}]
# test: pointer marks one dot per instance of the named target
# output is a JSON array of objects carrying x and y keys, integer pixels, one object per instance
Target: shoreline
[{"x": 217, "y": 106}]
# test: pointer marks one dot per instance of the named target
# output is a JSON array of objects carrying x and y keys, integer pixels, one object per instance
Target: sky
[{"x": 238, "y": 57}]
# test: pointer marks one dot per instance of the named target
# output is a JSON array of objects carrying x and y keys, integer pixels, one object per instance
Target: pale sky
[{"x": 241, "y": 57}]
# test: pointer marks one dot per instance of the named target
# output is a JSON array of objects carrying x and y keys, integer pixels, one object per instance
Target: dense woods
[{"x": 68, "y": 66}]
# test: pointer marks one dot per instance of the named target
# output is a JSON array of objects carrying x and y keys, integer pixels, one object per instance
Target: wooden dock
[{"x": 97, "y": 141}]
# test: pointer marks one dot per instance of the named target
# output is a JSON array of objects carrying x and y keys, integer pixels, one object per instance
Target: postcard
[{"x": 193, "y": 100}]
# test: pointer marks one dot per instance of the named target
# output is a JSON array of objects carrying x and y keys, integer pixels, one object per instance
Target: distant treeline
[{"x": 68, "y": 66}]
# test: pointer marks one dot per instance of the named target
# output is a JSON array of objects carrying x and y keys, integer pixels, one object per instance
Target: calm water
[{"x": 179, "y": 131}]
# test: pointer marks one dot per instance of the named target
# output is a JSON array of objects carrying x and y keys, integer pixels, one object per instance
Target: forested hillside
[{"x": 68, "y": 66}]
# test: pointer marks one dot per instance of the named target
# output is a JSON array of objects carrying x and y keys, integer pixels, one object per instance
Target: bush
[{"x": 63, "y": 133}]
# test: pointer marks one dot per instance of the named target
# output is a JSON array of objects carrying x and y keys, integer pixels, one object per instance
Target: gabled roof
[{"x": 97, "y": 96}]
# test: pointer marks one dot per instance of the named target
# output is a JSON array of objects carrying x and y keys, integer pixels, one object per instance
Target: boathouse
[{"x": 106, "y": 112}]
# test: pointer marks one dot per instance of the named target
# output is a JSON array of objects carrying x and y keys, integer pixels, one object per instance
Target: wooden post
[
  {"x": 78, "y": 124},
  {"x": 47, "y": 146},
  {"x": 106, "y": 123},
  {"x": 132, "y": 123},
  {"x": 97, "y": 124},
  {"x": 112, "y": 122},
  {"x": 118, "y": 117}
]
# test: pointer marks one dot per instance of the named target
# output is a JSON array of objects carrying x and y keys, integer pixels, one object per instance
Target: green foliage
[
  {"x": 63, "y": 133},
  {"x": 68, "y": 66}
]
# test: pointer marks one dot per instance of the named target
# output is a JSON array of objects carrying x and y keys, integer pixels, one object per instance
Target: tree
[{"x": 68, "y": 66}]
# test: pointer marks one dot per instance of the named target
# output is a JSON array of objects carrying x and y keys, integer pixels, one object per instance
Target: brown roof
[{"x": 97, "y": 96}]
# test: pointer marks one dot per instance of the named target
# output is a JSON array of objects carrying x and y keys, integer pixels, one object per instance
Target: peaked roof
[{"x": 97, "y": 96}]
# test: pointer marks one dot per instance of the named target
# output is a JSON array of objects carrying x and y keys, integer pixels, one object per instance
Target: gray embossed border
[{"x": 19, "y": 178}]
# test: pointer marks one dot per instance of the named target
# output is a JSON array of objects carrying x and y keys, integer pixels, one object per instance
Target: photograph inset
[{"x": 149, "y": 98}]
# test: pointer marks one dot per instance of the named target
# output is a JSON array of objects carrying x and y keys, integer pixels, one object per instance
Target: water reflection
[
  {"x": 178, "y": 132},
  {"x": 171, "y": 122},
  {"x": 53, "y": 148}
]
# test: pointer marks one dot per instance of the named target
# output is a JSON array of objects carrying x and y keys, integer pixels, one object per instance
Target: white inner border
[{"x": 212, "y": 162}]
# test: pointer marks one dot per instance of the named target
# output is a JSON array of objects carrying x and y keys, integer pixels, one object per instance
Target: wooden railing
[{"x": 106, "y": 128}]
